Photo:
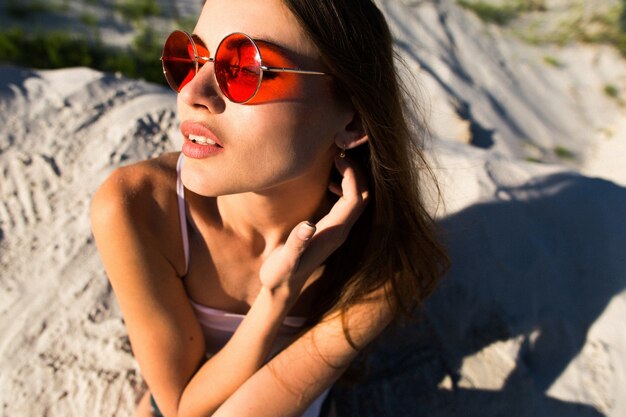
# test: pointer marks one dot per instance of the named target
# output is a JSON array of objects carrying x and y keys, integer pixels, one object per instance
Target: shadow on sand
[
  {"x": 13, "y": 78},
  {"x": 545, "y": 258}
]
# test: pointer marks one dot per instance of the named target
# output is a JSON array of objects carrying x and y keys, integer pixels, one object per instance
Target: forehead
[{"x": 265, "y": 20}]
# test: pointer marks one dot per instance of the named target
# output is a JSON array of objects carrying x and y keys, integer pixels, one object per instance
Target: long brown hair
[{"x": 394, "y": 243}]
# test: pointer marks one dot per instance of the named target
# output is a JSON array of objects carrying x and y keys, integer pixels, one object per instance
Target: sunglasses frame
[{"x": 206, "y": 59}]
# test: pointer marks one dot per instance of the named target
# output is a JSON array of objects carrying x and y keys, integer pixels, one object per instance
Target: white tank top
[{"x": 218, "y": 325}]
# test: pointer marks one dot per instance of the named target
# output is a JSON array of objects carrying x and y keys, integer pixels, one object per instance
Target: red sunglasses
[{"x": 238, "y": 64}]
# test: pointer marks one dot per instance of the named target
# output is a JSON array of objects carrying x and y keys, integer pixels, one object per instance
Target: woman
[{"x": 252, "y": 268}]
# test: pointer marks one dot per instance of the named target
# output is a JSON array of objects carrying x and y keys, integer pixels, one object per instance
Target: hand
[{"x": 308, "y": 245}]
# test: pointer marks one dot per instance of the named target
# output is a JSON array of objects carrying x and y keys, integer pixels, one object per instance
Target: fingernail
[{"x": 306, "y": 230}]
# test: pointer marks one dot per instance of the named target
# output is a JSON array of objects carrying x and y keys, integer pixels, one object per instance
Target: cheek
[
  {"x": 286, "y": 143},
  {"x": 300, "y": 130}
]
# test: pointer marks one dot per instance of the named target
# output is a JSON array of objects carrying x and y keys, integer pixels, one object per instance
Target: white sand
[
  {"x": 487, "y": 85},
  {"x": 64, "y": 348},
  {"x": 530, "y": 322}
]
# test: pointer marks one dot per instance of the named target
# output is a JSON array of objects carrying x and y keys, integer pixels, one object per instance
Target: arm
[
  {"x": 164, "y": 332},
  {"x": 132, "y": 241},
  {"x": 250, "y": 345},
  {"x": 166, "y": 337},
  {"x": 291, "y": 381}
]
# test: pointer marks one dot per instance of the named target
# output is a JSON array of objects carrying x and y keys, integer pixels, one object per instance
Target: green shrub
[
  {"x": 607, "y": 26},
  {"x": 564, "y": 153},
  {"x": 552, "y": 61},
  {"x": 534, "y": 5},
  {"x": 136, "y": 10},
  {"x": 611, "y": 91},
  {"x": 146, "y": 50},
  {"x": 60, "y": 50},
  {"x": 500, "y": 15},
  {"x": 89, "y": 19},
  {"x": 52, "y": 50},
  {"x": 21, "y": 9},
  {"x": 187, "y": 23},
  {"x": 9, "y": 50}
]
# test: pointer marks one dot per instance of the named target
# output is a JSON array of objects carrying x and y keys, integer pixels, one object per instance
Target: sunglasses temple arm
[
  {"x": 205, "y": 59},
  {"x": 292, "y": 70}
]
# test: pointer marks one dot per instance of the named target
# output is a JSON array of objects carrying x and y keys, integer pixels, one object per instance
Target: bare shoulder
[
  {"x": 139, "y": 200},
  {"x": 139, "y": 183}
]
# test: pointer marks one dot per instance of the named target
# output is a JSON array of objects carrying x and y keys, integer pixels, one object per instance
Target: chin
[
  {"x": 205, "y": 189},
  {"x": 203, "y": 186}
]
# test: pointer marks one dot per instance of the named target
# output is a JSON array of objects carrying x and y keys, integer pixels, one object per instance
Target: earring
[{"x": 342, "y": 154}]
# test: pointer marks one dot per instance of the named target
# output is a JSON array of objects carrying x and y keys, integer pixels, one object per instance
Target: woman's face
[{"x": 285, "y": 136}]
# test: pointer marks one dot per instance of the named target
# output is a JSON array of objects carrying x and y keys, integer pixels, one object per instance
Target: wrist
[{"x": 280, "y": 297}]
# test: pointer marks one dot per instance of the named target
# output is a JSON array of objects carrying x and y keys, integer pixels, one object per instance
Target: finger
[
  {"x": 296, "y": 243},
  {"x": 353, "y": 178},
  {"x": 353, "y": 197},
  {"x": 304, "y": 231},
  {"x": 279, "y": 268},
  {"x": 333, "y": 229}
]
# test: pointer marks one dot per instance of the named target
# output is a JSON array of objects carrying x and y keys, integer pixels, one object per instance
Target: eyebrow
[
  {"x": 269, "y": 43},
  {"x": 275, "y": 47},
  {"x": 272, "y": 45}
]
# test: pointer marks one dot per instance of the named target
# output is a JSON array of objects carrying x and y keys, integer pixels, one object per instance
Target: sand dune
[
  {"x": 529, "y": 322},
  {"x": 64, "y": 348},
  {"x": 495, "y": 91}
]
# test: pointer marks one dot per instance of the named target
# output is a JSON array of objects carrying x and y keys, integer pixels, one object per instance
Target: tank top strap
[{"x": 182, "y": 212}]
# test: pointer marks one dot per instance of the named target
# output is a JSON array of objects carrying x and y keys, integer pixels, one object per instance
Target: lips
[{"x": 200, "y": 141}]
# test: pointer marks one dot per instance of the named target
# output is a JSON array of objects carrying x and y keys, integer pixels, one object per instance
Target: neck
[{"x": 267, "y": 218}]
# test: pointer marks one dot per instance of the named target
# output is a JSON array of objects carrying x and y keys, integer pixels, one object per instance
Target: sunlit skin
[
  {"x": 277, "y": 157},
  {"x": 270, "y": 144},
  {"x": 250, "y": 251}
]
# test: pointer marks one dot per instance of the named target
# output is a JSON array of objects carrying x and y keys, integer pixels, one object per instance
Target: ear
[{"x": 353, "y": 134}]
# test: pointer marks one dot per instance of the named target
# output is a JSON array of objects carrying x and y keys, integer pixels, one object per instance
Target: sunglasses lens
[
  {"x": 178, "y": 60},
  {"x": 238, "y": 67}
]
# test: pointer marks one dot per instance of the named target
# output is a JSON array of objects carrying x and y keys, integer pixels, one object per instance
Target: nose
[{"x": 203, "y": 91}]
